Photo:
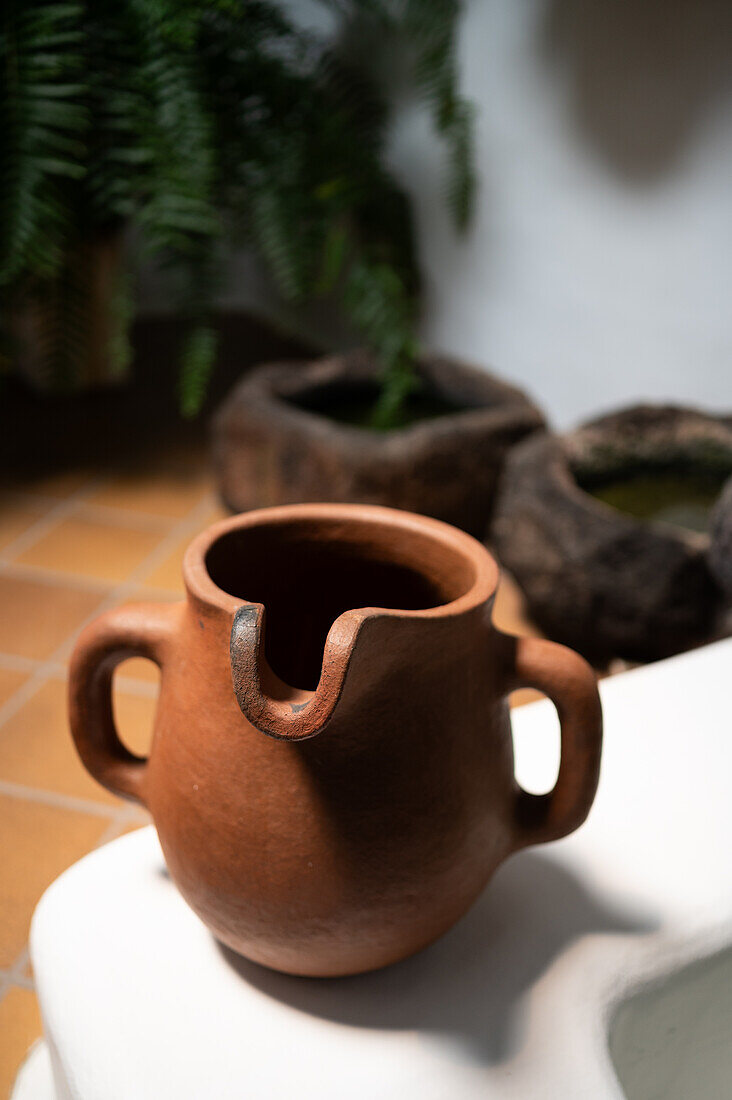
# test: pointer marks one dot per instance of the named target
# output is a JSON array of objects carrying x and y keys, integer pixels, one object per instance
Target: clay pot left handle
[{"x": 139, "y": 630}]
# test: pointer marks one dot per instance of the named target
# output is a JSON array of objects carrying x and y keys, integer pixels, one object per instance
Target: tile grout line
[
  {"x": 129, "y": 586},
  {"x": 157, "y": 556},
  {"x": 40, "y": 574},
  {"x": 44, "y": 575},
  {"x": 57, "y": 799},
  {"x": 15, "y": 974},
  {"x": 130, "y": 685},
  {"x": 186, "y": 526},
  {"x": 34, "y": 502},
  {"x": 114, "y": 516},
  {"x": 47, "y": 521},
  {"x": 10, "y": 662},
  {"x": 79, "y": 505}
]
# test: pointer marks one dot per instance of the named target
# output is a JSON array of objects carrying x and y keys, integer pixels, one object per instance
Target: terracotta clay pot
[
  {"x": 278, "y": 439},
  {"x": 333, "y": 793}
]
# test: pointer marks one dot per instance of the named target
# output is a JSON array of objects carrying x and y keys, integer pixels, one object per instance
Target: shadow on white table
[
  {"x": 517, "y": 1001},
  {"x": 467, "y": 990}
]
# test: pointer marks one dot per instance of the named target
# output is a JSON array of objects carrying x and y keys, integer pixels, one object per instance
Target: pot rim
[
  {"x": 267, "y": 387},
  {"x": 202, "y": 588}
]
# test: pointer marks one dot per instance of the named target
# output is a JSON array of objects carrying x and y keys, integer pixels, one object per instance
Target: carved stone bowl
[
  {"x": 605, "y": 582},
  {"x": 283, "y": 437}
]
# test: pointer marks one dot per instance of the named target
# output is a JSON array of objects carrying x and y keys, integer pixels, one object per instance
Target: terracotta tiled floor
[{"x": 72, "y": 546}]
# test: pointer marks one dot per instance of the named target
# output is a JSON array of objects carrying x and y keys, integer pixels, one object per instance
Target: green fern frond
[
  {"x": 39, "y": 140},
  {"x": 430, "y": 25},
  {"x": 167, "y": 117},
  {"x": 382, "y": 310},
  {"x": 197, "y": 362}
]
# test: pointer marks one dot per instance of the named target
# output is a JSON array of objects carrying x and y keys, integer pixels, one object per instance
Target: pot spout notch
[{"x": 283, "y": 713}]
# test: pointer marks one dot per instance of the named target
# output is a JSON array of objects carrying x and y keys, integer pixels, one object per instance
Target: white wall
[{"x": 598, "y": 269}]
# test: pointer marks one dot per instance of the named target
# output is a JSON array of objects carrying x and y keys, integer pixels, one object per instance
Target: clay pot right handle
[
  {"x": 570, "y": 683},
  {"x": 140, "y": 630}
]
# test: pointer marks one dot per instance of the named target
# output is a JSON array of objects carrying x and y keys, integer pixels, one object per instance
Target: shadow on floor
[
  {"x": 642, "y": 75},
  {"x": 470, "y": 984},
  {"x": 131, "y": 425}
]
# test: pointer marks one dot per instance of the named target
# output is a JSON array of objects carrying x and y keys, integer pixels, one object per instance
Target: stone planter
[
  {"x": 605, "y": 582},
  {"x": 277, "y": 440}
]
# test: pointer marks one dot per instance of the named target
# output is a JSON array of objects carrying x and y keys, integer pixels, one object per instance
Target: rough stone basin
[
  {"x": 673, "y": 1038},
  {"x": 294, "y": 432},
  {"x": 611, "y": 564}
]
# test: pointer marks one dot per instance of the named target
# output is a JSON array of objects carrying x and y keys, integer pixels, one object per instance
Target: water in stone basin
[{"x": 682, "y": 498}]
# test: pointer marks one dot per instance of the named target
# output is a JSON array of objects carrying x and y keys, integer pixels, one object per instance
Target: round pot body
[
  {"x": 604, "y": 582},
  {"x": 332, "y": 796},
  {"x": 276, "y": 440}
]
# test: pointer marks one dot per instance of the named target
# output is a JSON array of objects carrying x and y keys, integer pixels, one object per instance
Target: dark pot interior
[
  {"x": 353, "y": 402},
  {"x": 308, "y": 572}
]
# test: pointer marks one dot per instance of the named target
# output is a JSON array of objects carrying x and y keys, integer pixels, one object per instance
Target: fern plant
[{"x": 200, "y": 124}]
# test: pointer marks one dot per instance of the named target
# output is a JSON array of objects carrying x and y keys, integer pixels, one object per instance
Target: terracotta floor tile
[
  {"x": 522, "y": 696},
  {"x": 10, "y": 681},
  {"x": 106, "y": 551},
  {"x": 169, "y": 574},
  {"x": 39, "y": 842},
  {"x": 36, "y": 617},
  {"x": 132, "y": 827},
  {"x": 167, "y": 493},
  {"x": 217, "y": 513},
  {"x": 58, "y": 486},
  {"x": 15, "y": 518},
  {"x": 137, "y": 668},
  {"x": 135, "y": 715},
  {"x": 20, "y": 1026},
  {"x": 36, "y": 748},
  {"x": 509, "y": 609}
]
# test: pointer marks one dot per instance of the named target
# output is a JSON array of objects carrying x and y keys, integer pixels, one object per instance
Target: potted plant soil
[
  {"x": 295, "y": 432},
  {"x": 608, "y": 530}
]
